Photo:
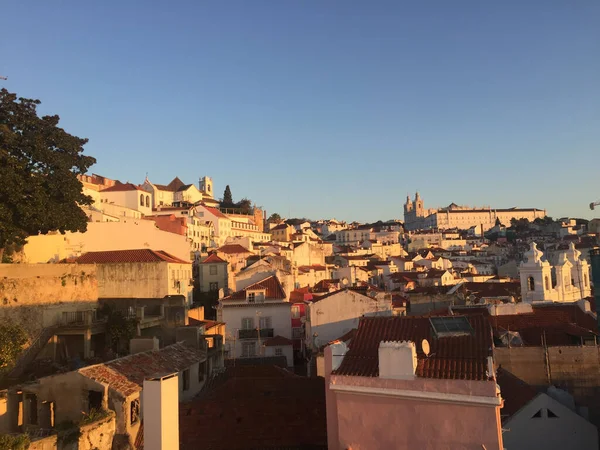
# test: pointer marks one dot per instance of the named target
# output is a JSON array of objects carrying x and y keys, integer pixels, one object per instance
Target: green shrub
[{"x": 14, "y": 442}]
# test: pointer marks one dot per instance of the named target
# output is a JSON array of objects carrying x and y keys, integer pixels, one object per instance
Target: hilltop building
[{"x": 416, "y": 217}]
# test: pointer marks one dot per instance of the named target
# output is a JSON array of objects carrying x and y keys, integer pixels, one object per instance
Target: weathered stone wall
[
  {"x": 576, "y": 369},
  {"x": 35, "y": 295}
]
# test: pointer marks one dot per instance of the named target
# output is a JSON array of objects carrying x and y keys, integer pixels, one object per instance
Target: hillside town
[{"x": 178, "y": 318}]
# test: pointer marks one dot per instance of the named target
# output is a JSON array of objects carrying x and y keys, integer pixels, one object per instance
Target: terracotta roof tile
[
  {"x": 215, "y": 212},
  {"x": 276, "y": 341},
  {"x": 453, "y": 357},
  {"x": 126, "y": 375},
  {"x": 274, "y": 290},
  {"x": 119, "y": 256},
  {"x": 120, "y": 187},
  {"x": 128, "y": 256},
  {"x": 259, "y": 408},
  {"x": 232, "y": 249},
  {"x": 213, "y": 258}
]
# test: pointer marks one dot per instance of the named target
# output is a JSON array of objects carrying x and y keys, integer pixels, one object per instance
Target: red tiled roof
[
  {"x": 261, "y": 410},
  {"x": 515, "y": 392},
  {"x": 274, "y": 290},
  {"x": 126, "y": 375},
  {"x": 558, "y": 324},
  {"x": 129, "y": 256},
  {"x": 339, "y": 291},
  {"x": 276, "y": 341},
  {"x": 215, "y": 212},
  {"x": 453, "y": 357},
  {"x": 120, "y": 187},
  {"x": 213, "y": 258},
  {"x": 483, "y": 289},
  {"x": 232, "y": 249},
  {"x": 315, "y": 267}
]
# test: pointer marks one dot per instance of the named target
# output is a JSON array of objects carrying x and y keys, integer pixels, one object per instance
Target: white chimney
[
  {"x": 397, "y": 360},
  {"x": 161, "y": 412}
]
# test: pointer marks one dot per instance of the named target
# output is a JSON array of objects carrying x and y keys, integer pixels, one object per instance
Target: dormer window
[
  {"x": 251, "y": 297},
  {"x": 255, "y": 296}
]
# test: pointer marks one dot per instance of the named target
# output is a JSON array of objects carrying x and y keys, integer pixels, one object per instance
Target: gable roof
[
  {"x": 126, "y": 375},
  {"x": 454, "y": 357},
  {"x": 128, "y": 256},
  {"x": 277, "y": 341},
  {"x": 121, "y": 187},
  {"x": 515, "y": 392},
  {"x": 215, "y": 212},
  {"x": 232, "y": 249},
  {"x": 213, "y": 258},
  {"x": 272, "y": 286},
  {"x": 357, "y": 291}
]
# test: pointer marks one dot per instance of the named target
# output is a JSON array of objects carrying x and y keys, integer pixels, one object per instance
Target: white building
[
  {"x": 568, "y": 281},
  {"x": 336, "y": 313},
  {"x": 253, "y": 316},
  {"x": 127, "y": 195},
  {"x": 416, "y": 217}
]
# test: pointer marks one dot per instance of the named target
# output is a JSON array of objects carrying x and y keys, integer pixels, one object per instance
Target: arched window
[
  {"x": 531, "y": 283},
  {"x": 547, "y": 282},
  {"x": 141, "y": 199},
  {"x": 148, "y": 201},
  {"x": 585, "y": 282}
]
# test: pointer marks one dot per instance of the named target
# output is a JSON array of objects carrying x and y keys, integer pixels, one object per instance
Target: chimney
[
  {"x": 161, "y": 412},
  {"x": 397, "y": 360}
]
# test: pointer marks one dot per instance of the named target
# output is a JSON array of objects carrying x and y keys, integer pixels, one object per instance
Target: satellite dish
[{"x": 425, "y": 347}]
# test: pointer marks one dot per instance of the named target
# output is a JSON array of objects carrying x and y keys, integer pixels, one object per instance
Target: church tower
[
  {"x": 206, "y": 186},
  {"x": 419, "y": 212},
  {"x": 536, "y": 277}
]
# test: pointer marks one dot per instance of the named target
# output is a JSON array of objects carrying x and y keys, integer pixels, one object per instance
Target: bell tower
[
  {"x": 536, "y": 276},
  {"x": 206, "y": 185}
]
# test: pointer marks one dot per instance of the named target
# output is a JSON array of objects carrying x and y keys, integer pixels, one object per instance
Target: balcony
[{"x": 253, "y": 334}]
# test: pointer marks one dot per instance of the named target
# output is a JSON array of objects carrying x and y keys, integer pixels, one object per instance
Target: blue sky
[{"x": 326, "y": 109}]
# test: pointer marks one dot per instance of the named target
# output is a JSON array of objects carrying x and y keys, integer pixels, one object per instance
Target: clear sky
[{"x": 326, "y": 108}]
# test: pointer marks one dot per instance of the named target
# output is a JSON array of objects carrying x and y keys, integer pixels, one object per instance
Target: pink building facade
[{"x": 407, "y": 400}]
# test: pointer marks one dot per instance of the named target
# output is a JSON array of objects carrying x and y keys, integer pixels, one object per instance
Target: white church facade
[
  {"x": 567, "y": 281},
  {"x": 416, "y": 217}
]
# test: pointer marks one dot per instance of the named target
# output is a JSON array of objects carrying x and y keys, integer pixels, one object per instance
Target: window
[
  {"x": 148, "y": 201},
  {"x": 201, "y": 371},
  {"x": 295, "y": 312},
  {"x": 297, "y": 333},
  {"x": 248, "y": 349},
  {"x": 141, "y": 199},
  {"x": 266, "y": 322},
  {"x": 134, "y": 411},
  {"x": 247, "y": 323},
  {"x": 551, "y": 415},
  {"x": 585, "y": 280},
  {"x": 531, "y": 284},
  {"x": 278, "y": 351},
  {"x": 547, "y": 282},
  {"x": 251, "y": 297},
  {"x": 186, "y": 380},
  {"x": 450, "y": 326},
  {"x": 572, "y": 281},
  {"x": 213, "y": 286},
  {"x": 212, "y": 269}
]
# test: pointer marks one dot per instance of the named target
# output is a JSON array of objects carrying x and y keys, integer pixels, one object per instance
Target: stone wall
[
  {"x": 35, "y": 295},
  {"x": 94, "y": 436},
  {"x": 576, "y": 369}
]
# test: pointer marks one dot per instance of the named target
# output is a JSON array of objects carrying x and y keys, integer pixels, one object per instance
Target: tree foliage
[
  {"x": 39, "y": 164},
  {"x": 245, "y": 206},
  {"x": 274, "y": 218},
  {"x": 227, "y": 197},
  {"x": 12, "y": 340},
  {"x": 119, "y": 329}
]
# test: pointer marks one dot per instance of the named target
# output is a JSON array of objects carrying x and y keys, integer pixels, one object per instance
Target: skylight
[{"x": 451, "y": 326}]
